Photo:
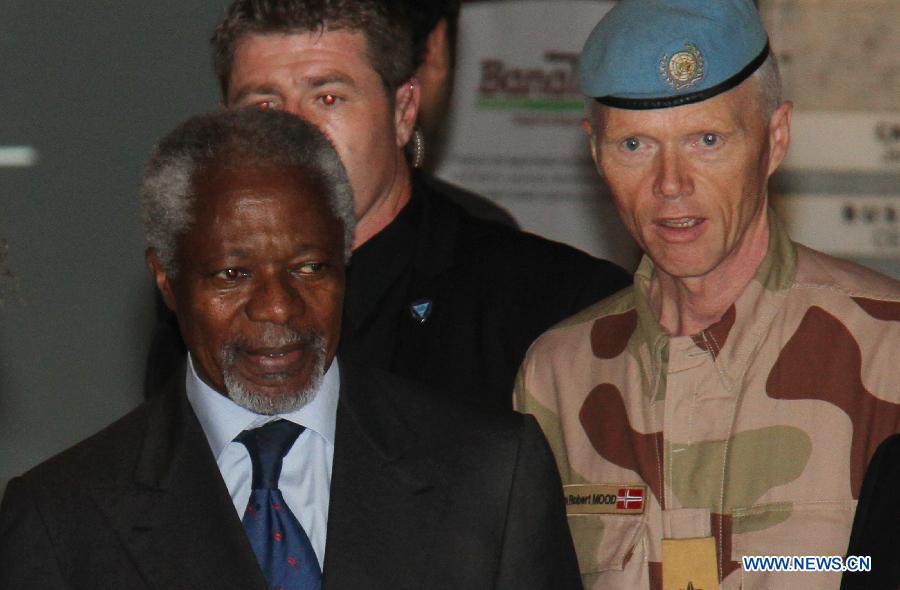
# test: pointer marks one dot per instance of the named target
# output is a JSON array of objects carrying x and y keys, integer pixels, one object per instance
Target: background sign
[
  {"x": 839, "y": 188},
  {"x": 514, "y": 132}
]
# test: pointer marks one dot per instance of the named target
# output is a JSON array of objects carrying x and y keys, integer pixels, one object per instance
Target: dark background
[{"x": 91, "y": 86}]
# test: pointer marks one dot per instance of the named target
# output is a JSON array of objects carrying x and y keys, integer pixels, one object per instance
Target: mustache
[{"x": 274, "y": 336}]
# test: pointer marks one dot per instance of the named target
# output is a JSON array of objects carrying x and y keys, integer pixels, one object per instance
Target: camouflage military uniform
[{"x": 755, "y": 431}]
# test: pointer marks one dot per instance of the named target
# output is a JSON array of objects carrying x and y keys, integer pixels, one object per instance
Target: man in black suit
[
  {"x": 267, "y": 459},
  {"x": 433, "y": 294},
  {"x": 876, "y": 525}
]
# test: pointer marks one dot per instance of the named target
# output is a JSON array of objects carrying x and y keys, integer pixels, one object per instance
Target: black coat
[
  {"x": 425, "y": 493},
  {"x": 491, "y": 290},
  {"x": 876, "y": 525}
]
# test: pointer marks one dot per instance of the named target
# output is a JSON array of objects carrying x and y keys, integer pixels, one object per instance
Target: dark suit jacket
[
  {"x": 876, "y": 526},
  {"x": 494, "y": 290},
  {"x": 425, "y": 493}
]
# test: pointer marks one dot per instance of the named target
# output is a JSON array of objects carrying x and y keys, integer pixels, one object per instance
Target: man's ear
[
  {"x": 162, "y": 278},
  {"x": 592, "y": 138},
  {"x": 406, "y": 107},
  {"x": 436, "y": 62},
  {"x": 779, "y": 135}
]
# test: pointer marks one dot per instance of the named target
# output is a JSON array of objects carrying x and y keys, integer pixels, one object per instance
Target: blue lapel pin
[{"x": 420, "y": 309}]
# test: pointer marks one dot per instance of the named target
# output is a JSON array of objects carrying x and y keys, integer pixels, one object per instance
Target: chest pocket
[
  {"x": 611, "y": 548},
  {"x": 792, "y": 529}
]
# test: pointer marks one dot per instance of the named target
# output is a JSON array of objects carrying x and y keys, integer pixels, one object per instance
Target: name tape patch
[{"x": 599, "y": 498}]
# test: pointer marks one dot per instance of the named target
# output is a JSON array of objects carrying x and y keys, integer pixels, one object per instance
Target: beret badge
[{"x": 683, "y": 69}]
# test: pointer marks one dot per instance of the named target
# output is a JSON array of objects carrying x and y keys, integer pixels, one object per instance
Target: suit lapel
[
  {"x": 383, "y": 494},
  {"x": 174, "y": 513}
]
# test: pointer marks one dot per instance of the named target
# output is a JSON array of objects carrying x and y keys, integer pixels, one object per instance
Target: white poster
[
  {"x": 839, "y": 187},
  {"x": 514, "y": 132}
]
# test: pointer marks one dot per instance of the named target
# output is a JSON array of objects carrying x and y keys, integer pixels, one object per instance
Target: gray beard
[{"x": 260, "y": 403}]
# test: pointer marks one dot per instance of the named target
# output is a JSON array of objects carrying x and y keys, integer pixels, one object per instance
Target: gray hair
[
  {"x": 768, "y": 80},
  {"x": 231, "y": 139}
]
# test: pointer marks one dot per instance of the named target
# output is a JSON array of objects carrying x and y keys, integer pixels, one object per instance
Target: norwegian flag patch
[
  {"x": 630, "y": 499},
  {"x": 598, "y": 498}
]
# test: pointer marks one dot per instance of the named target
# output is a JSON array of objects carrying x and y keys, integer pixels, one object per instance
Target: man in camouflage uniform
[{"x": 726, "y": 405}]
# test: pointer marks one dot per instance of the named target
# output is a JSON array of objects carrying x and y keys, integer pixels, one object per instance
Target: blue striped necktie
[{"x": 282, "y": 547}]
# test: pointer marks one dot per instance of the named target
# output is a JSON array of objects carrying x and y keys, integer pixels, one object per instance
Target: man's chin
[
  {"x": 273, "y": 397},
  {"x": 279, "y": 385}
]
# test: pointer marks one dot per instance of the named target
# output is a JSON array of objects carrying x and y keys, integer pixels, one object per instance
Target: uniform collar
[{"x": 731, "y": 339}]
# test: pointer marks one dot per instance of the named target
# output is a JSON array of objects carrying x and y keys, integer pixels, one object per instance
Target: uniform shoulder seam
[{"x": 847, "y": 291}]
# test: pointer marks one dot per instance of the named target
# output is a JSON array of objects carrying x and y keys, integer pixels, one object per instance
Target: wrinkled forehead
[
  {"x": 216, "y": 181},
  {"x": 739, "y": 107},
  {"x": 328, "y": 37},
  {"x": 263, "y": 211}
]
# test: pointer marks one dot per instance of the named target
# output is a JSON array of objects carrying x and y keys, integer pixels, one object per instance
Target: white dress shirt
[{"x": 306, "y": 469}]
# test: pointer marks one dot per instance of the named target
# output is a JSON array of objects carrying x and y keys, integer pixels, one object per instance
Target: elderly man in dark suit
[{"x": 269, "y": 464}]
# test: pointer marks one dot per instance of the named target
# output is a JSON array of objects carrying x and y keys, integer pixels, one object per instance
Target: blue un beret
[{"x": 652, "y": 54}]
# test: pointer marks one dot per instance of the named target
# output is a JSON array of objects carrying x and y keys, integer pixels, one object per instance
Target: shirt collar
[{"x": 222, "y": 419}]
